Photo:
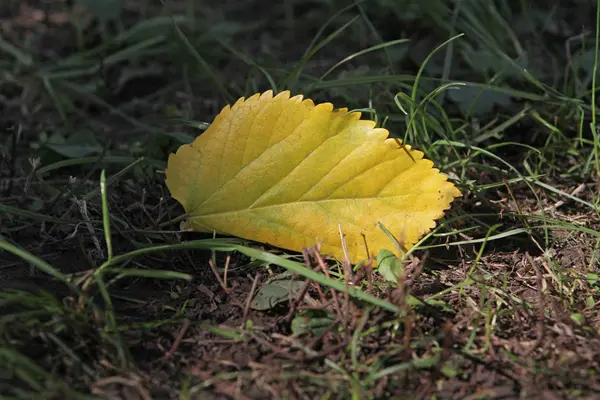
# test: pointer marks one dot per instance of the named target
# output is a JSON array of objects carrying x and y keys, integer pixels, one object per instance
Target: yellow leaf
[{"x": 284, "y": 171}]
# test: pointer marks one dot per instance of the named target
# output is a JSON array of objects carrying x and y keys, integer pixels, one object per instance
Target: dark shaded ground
[{"x": 516, "y": 317}]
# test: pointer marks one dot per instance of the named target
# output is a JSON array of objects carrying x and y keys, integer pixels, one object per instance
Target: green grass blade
[
  {"x": 302, "y": 270},
  {"x": 360, "y": 53},
  {"x": 289, "y": 81},
  {"x": 106, "y": 215},
  {"x": 16, "y": 53},
  {"x": 36, "y": 216},
  {"x": 150, "y": 273},
  {"x": 204, "y": 65},
  {"x": 35, "y": 261}
]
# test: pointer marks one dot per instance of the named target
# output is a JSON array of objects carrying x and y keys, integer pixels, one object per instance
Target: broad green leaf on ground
[
  {"x": 82, "y": 143},
  {"x": 389, "y": 266},
  {"x": 276, "y": 292},
  {"x": 284, "y": 171}
]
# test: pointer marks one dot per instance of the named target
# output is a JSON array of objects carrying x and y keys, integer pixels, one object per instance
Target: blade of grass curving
[
  {"x": 361, "y": 80},
  {"x": 399, "y": 246},
  {"x": 36, "y": 216},
  {"x": 217, "y": 81},
  {"x": 224, "y": 245},
  {"x": 138, "y": 32},
  {"x": 399, "y": 79},
  {"x": 58, "y": 102},
  {"x": 75, "y": 90},
  {"x": 132, "y": 52},
  {"x": 251, "y": 63},
  {"x": 557, "y": 224},
  {"x": 549, "y": 223},
  {"x": 455, "y": 232},
  {"x": 564, "y": 194},
  {"x": 422, "y": 67},
  {"x": 35, "y": 261},
  {"x": 71, "y": 353},
  {"x": 445, "y": 130},
  {"x": 26, "y": 370},
  {"x": 537, "y": 117},
  {"x": 417, "y": 82},
  {"x": 289, "y": 81},
  {"x": 450, "y": 49},
  {"x": 208, "y": 244},
  {"x": 314, "y": 40},
  {"x": 489, "y": 39},
  {"x": 302, "y": 270},
  {"x": 501, "y": 127},
  {"x": 419, "y": 109},
  {"x": 16, "y": 53},
  {"x": 511, "y": 181},
  {"x": 76, "y": 67},
  {"x": 502, "y": 235},
  {"x": 362, "y": 52},
  {"x": 313, "y": 43},
  {"x": 376, "y": 34},
  {"x": 144, "y": 27},
  {"x": 114, "y": 178},
  {"x": 73, "y": 73},
  {"x": 92, "y": 160},
  {"x": 504, "y": 144}
]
